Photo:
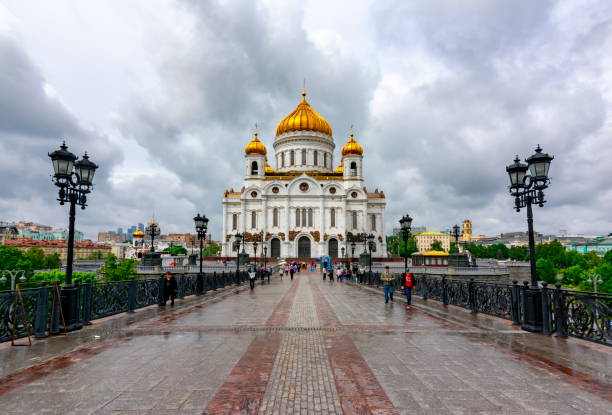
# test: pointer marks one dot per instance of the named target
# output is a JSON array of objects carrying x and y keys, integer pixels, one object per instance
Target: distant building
[
  {"x": 601, "y": 245},
  {"x": 467, "y": 231},
  {"x": 424, "y": 240},
  {"x": 38, "y": 232},
  {"x": 82, "y": 250},
  {"x": 8, "y": 231},
  {"x": 110, "y": 237}
]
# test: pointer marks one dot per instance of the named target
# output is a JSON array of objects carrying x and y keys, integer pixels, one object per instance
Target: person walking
[
  {"x": 387, "y": 279},
  {"x": 408, "y": 284},
  {"x": 252, "y": 276},
  {"x": 170, "y": 288},
  {"x": 292, "y": 271},
  {"x": 324, "y": 274},
  {"x": 287, "y": 269}
]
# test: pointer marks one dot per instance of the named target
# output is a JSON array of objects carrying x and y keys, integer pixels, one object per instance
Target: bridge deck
[{"x": 304, "y": 346}]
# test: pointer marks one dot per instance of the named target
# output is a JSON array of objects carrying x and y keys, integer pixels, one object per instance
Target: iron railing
[
  {"x": 584, "y": 315},
  {"x": 96, "y": 300}
]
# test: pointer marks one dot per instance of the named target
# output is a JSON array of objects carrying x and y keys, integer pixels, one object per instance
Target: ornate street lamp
[
  {"x": 255, "y": 251},
  {"x": 14, "y": 276},
  {"x": 152, "y": 230},
  {"x": 238, "y": 241},
  {"x": 527, "y": 190},
  {"x": 201, "y": 225},
  {"x": 405, "y": 227},
  {"x": 370, "y": 242},
  {"x": 265, "y": 254},
  {"x": 456, "y": 233},
  {"x": 353, "y": 246},
  {"x": 75, "y": 180}
]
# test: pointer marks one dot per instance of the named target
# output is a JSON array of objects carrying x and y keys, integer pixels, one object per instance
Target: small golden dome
[
  {"x": 255, "y": 147},
  {"x": 138, "y": 234},
  {"x": 352, "y": 148},
  {"x": 340, "y": 168},
  {"x": 268, "y": 167},
  {"x": 303, "y": 118}
]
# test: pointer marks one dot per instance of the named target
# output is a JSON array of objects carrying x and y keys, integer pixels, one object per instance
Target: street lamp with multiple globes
[
  {"x": 405, "y": 227},
  {"x": 75, "y": 180},
  {"x": 152, "y": 230},
  {"x": 456, "y": 233},
  {"x": 201, "y": 225},
  {"x": 528, "y": 189},
  {"x": 370, "y": 241}
]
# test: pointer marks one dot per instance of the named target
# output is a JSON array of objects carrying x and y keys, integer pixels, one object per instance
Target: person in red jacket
[{"x": 408, "y": 284}]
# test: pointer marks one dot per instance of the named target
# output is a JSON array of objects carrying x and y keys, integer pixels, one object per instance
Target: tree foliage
[
  {"x": 396, "y": 245},
  {"x": 118, "y": 270},
  {"x": 553, "y": 259},
  {"x": 176, "y": 250},
  {"x": 436, "y": 245}
]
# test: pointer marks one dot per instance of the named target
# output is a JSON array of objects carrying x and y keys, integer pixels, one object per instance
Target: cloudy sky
[{"x": 164, "y": 95}]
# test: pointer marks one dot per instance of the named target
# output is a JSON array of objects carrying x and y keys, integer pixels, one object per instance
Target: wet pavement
[{"x": 305, "y": 346}]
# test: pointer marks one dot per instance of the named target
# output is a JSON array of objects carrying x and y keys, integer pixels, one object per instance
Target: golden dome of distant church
[
  {"x": 303, "y": 118},
  {"x": 352, "y": 148},
  {"x": 255, "y": 147}
]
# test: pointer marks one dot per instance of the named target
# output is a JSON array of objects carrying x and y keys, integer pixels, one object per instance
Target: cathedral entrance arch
[
  {"x": 332, "y": 248},
  {"x": 304, "y": 247},
  {"x": 275, "y": 250}
]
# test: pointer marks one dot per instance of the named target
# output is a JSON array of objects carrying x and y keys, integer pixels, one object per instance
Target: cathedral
[{"x": 305, "y": 207}]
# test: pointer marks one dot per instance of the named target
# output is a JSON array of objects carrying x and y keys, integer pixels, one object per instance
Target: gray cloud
[{"x": 443, "y": 95}]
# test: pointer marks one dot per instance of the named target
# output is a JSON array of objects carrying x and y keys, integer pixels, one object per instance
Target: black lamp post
[
  {"x": 370, "y": 242},
  {"x": 528, "y": 189},
  {"x": 255, "y": 252},
  {"x": 456, "y": 233},
  {"x": 405, "y": 226},
  {"x": 75, "y": 180},
  {"x": 201, "y": 225},
  {"x": 265, "y": 254},
  {"x": 239, "y": 241},
  {"x": 152, "y": 230},
  {"x": 353, "y": 245}
]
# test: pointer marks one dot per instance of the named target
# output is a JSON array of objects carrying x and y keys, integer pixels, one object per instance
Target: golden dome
[
  {"x": 352, "y": 148},
  {"x": 138, "y": 234},
  {"x": 340, "y": 168},
  {"x": 255, "y": 147},
  {"x": 268, "y": 167},
  {"x": 303, "y": 118}
]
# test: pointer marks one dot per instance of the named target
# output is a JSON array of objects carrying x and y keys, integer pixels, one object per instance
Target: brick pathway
[{"x": 303, "y": 346}]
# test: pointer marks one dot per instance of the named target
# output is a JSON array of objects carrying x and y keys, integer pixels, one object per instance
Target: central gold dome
[{"x": 303, "y": 118}]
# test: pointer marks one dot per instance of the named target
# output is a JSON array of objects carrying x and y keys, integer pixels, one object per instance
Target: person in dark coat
[{"x": 170, "y": 288}]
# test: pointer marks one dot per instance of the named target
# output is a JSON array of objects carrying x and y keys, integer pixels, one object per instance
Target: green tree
[
  {"x": 176, "y": 250},
  {"x": 118, "y": 270},
  {"x": 96, "y": 255},
  {"x": 211, "y": 250},
  {"x": 453, "y": 248},
  {"x": 53, "y": 261},
  {"x": 519, "y": 253},
  {"x": 546, "y": 270},
  {"x": 436, "y": 245}
]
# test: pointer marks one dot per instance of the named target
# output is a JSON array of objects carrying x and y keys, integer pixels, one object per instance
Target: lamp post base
[
  {"x": 532, "y": 309},
  {"x": 71, "y": 308}
]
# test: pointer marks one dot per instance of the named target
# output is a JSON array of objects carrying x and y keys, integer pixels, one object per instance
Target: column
[
  {"x": 264, "y": 223},
  {"x": 225, "y": 251},
  {"x": 286, "y": 242},
  {"x": 322, "y": 227}
]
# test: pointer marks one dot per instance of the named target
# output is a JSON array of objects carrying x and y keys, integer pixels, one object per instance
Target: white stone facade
[{"x": 305, "y": 207}]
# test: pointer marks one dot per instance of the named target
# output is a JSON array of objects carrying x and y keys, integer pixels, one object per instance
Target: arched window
[
  {"x": 354, "y": 220},
  {"x": 303, "y": 217},
  {"x": 297, "y": 217},
  {"x": 292, "y": 158},
  {"x": 253, "y": 219},
  {"x": 234, "y": 221},
  {"x": 332, "y": 217},
  {"x": 309, "y": 217},
  {"x": 254, "y": 168},
  {"x": 316, "y": 158},
  {"x": 282, "y": 162},
  {"x": 324, "y": 159},
  {"x": 373, "y": 222},
  {"x": 275, "y": 217},
  {"x": 303, "y": 157},
  {"x": 353, "y": 171}
]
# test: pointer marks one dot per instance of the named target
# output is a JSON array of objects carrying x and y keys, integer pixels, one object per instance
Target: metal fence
[
  {"x": 584, "y": 315},
  {"x": 97, "y": 300}
]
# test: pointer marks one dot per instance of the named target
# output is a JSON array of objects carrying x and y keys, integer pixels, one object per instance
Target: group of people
[
  {"x": 255, "y": 272},
  {"x": 388, "y": 280}
]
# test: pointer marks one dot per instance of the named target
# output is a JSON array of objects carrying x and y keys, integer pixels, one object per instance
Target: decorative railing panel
[
  {"x": 12, "y": 319},
  {"x": 493, "y": 299},
  {"x": 147, "y": 292},
  {"x": 109, "y": 298},
  {"x": 458, "y": 293},
  {"x": 587, "y": 316}
]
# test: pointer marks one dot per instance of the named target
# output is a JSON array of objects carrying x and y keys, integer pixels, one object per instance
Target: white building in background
[{"x": 305, "y": 207}]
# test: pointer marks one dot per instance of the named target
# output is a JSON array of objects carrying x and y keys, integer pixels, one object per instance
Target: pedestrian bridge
[{"x": 304, "y": 346}]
